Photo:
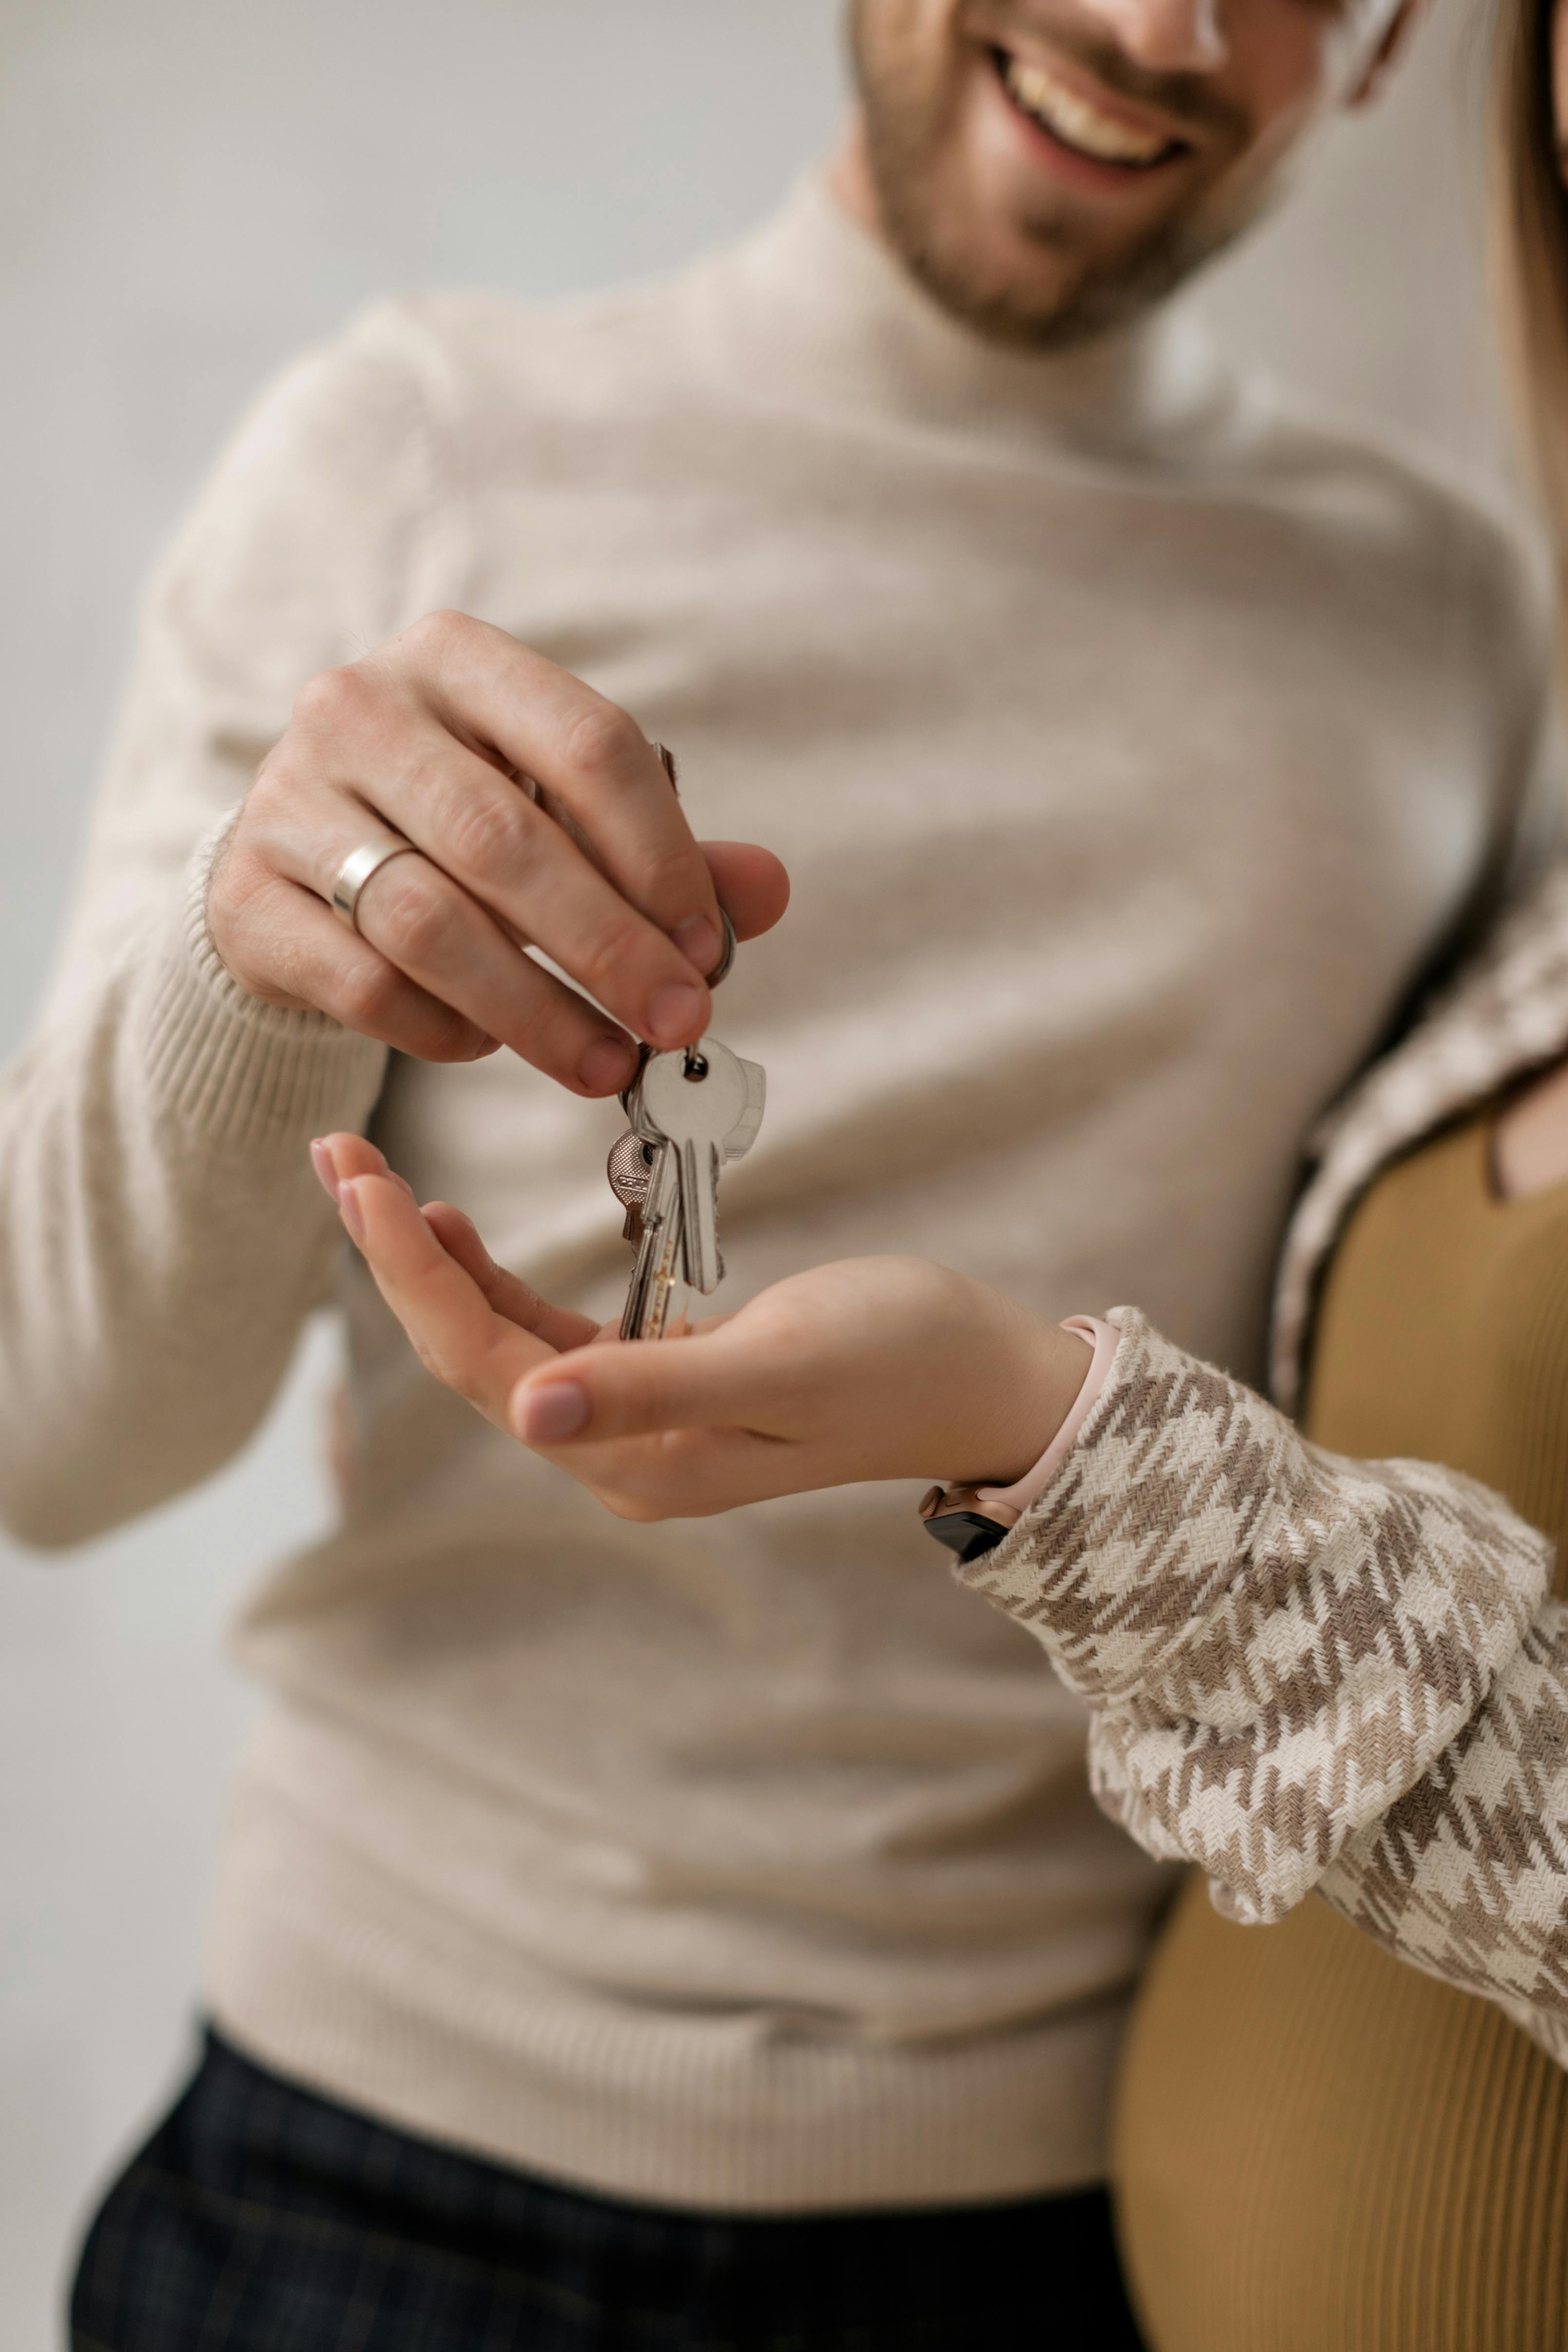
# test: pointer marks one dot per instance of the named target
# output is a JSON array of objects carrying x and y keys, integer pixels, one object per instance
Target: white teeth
[{"x": 1073, "y": 120}]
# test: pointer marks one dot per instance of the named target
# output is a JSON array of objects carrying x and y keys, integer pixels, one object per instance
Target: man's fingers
[
  {"x": 542, "y": 826},
  {"x": 587, "y": 753},
  {"x": 507, "y": 1292},
  {"x": 752, "y": 883},
  {"x": 487, "y": 844},
  {"x": 602, "y": 1394},
  {"x": 289, "y": 947},
  {"x": 445, "y": 941},
  {"x": 455, "y": 1331},
  {"x": 486, "y": 874}
]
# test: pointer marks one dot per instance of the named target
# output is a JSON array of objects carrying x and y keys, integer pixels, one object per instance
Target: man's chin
[
  {"x": 1030, "y": 308},
  {"x": 1051, "y": 296}
]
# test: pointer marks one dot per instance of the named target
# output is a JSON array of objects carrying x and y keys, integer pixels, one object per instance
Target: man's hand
[
  {"x": 427, "y": 740},
  {"x": 877, "y": 1367}
]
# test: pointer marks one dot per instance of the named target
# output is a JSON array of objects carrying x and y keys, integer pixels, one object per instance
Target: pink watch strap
[{"x": 1104, "y": 1339}]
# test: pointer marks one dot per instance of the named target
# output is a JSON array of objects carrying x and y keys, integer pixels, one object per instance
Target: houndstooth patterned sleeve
[
  {"x": 1467, "y": 1875},
  {"x": 1306, "y": 1672}
]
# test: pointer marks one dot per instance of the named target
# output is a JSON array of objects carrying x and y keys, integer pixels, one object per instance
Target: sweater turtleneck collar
[{"x": 819, "y": 314}]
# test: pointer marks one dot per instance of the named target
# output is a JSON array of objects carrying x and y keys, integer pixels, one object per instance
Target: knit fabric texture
[
  {"x": 1133, "y": 740},
  {"x": 1318, "y": 2148}
]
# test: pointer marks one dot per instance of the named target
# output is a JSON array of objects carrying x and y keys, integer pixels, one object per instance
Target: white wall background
[{"x": 189, "y": 190}]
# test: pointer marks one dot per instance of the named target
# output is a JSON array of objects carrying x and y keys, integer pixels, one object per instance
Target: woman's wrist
[
  {"x": 1057, "y": 1382},
  {"x": 1033, "y": 1386},
  {"x": 1101, "y": 1339}
]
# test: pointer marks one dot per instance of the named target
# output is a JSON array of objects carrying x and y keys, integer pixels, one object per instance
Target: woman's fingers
[
  {"x": 511, "y": 1298},
  {"x": 337, "y": 1159},
  {"x": 342, "y": 1158},
  {"x": 456, "y": 1333},
  {"x": 695, "y": 1475},
  {"x": 434, "y": 1273},
  {"x": 707, "y": 1381}
]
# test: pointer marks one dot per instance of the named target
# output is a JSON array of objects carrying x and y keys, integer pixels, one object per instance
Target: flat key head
[
  {"x": 696, "y": 1100},
  {"x": 745, "y": 1134}
]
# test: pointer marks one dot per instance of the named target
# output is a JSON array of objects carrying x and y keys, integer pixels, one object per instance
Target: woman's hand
[{"x": 873, "y": 1368}]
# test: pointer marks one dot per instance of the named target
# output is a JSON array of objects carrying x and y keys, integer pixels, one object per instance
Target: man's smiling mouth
[{"x": 1076, "y": 123}]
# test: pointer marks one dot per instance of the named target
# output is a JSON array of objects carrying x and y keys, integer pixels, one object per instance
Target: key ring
[
  {"x": 695, "y": 1066},
  {"x": 722, "y": 969},
  {"x": 726, "y": 962}
]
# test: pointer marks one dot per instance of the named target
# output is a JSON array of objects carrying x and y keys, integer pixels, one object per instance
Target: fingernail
[
  {"x": 547, "y": 1414},
  {"x": 677, "y": 1014},
  {"x": 699, "y": 942},
  {"x": 321, "y": 1161},
  {"x": 351, "y": 1211},
  {"x": 606, "y": 1067}
]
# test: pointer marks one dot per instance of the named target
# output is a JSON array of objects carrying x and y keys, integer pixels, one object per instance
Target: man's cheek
[
  {"x": 927, "y": 24},
  {"x": 1291, "y": 60},
  {"x": 908, "y": 44}
]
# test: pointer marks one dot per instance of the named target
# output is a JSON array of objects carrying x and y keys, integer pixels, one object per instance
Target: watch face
[{"x": 966, "y": 1533}]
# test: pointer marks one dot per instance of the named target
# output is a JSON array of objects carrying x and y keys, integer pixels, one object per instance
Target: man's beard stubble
[{"x": 904, "y": 131}]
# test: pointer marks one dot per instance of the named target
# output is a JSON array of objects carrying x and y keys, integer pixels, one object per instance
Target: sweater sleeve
[
  {"x": 1465, "y": 1876},
  {"x": 162, "y": 1237},
  {"x": 1305, "y": 1671}
]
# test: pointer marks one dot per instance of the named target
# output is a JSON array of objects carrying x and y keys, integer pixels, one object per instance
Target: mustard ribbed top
[{"x": 1319, "y": 2150}]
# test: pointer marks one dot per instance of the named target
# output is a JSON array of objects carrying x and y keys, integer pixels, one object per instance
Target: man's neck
[
  {"x": 853, "y": 182},
  {"x": 822, "y": 309}
]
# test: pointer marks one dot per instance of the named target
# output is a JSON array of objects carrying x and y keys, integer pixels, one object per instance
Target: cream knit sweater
[{"x": 1132, "y": 741}]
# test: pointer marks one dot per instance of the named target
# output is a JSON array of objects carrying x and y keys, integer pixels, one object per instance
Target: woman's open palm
[{"x": 870, "y": 1368}]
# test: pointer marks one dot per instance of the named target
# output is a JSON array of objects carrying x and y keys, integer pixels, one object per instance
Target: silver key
[
  {"x": 658, "y": 1295},
  {"x": 704, "y": 1103},
  {"x": 692, "y": 1111},
  {"x": 640, "y": 1175}
]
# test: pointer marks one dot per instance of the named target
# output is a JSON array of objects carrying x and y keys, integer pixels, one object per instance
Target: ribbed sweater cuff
[{"x": 246, "y": 1073}]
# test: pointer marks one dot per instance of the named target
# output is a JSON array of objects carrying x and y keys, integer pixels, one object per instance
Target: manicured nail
[
  {"x": 606, "y": 1067},
  {"x": 547, "y": 1414},
  {"x": 699, "y": 942},
  {"x": 351, "y": 1211},
  {"x": 321, "y": 1161},
  {"x": 676, "y": 1015}
]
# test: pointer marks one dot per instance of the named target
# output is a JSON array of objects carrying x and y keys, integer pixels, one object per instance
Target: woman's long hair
[{"x": 1531, "y": 220}]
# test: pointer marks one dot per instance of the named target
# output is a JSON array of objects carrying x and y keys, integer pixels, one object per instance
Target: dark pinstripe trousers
[{"x": 260, "y": 2218}]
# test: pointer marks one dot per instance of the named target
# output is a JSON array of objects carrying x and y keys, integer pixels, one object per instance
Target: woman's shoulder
[{"x": 1505, "y": 1014}]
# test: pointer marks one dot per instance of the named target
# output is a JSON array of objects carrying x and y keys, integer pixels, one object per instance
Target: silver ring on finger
[
  {"x": 671, "y": 764},
  {"x": 356, "y": 870}
]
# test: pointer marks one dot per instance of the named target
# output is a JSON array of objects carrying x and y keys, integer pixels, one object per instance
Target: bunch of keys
[{"x": 691, "y": 1112}]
